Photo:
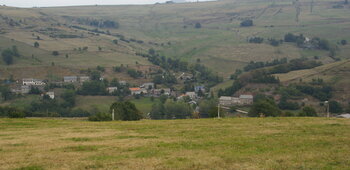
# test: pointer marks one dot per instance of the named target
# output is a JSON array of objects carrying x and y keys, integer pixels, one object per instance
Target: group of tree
[
  {"x": 9, "y": 54},
  {"x": 259, "y": 64},
  {"x": 165, "y": 78},
  {"x": 295, "y": 64},
  {"x": 125, "y": 111},
  {"x": 5, "y": 92},
  {"x": 11, "y": 112},
  {"x": 323, "y": 93},
  {"x": 171, "y": 109},
  {"x": 257, "y": 40},
  {"x": 201, "y": 73},
  {"x": 134, "y": 73}
]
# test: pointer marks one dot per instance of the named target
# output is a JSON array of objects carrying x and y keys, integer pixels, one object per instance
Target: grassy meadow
[{"x": 231, "y": 143}]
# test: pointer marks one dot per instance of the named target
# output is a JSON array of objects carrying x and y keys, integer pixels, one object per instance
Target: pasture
[{"x": 231, "y": 143}]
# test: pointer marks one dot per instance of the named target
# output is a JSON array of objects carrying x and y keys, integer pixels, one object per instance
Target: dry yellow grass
[{"x": 244, "y": 143}]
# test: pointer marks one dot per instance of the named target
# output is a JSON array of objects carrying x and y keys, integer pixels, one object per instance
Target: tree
[
  {"x": 5, "y": 92},
  {"x": 335, "y": 107},
  {"x": 69, "y": 98},
  {"x": 7, "y": 56},
  {"x": 55, "y": 53},
  {"x": 265, "y": 106},
  {"x": 208, "y": 107},
  {"x": 198, "y": 25},
  {"x": 308, "y": 111},
  {"x": 125, "y": 111},
  {"x": 158, "y": 111},
  {"x": 343, "y": 42},
  {"x": 247, "y": 23},
  {"x": 177, "y": 110},
  {"x": 15, "y": 51},
  {"x": 95, "y": 75},
  {"x": 36, "y": 44}
]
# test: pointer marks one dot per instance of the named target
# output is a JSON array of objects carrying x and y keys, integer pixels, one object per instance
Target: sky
[{"x": 47, "y": 3}]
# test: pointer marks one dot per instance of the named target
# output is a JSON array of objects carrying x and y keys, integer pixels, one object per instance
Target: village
[{"x": 149, "y": 89}]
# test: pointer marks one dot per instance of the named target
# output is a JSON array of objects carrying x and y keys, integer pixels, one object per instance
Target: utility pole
[
  {"x": 327, "y": 103},
  {"x": 219, "y": 111},
  {"x": 113, "y": 114}
]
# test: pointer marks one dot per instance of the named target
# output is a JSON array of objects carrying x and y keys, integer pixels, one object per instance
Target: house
[
  {"x": 148, "y": 85},
  {"x": 70, "y": 79},
  {"x": 112, "y": 89},
  {"x": 84, "y": 79},
  {"x": 192, "y": 95},
  {"x": 228, "y": 101},
  {"x": 137, "y": 91},
  {"x": 246, "y": 99},
  {"x": 166, "y": 91},
  {"x": 159, "y": 92},
  {"x": 25, "y": 89},
  {"x": 32, "y": 82},
  {"x": 199, "y": 88},
  {"x": 232, "y": 101},
  {"x": 51, "y": 95}
]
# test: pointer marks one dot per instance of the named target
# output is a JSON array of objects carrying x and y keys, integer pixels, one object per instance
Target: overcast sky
[{"x": 45, "y": 3}]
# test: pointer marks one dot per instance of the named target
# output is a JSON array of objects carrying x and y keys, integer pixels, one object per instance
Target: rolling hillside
[{"x": 220, "y": 43}]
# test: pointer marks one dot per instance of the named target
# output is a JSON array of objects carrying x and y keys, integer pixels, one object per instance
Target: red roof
[{"x": 134, "y": 89}]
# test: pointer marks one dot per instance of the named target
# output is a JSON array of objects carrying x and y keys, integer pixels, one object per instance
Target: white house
[
  {"x": 32, "y": 82},
  {"x": 51, "y": 95},
  {"x": 84, "y": 79},
  {"x": 246, "y": 99},
  {"x": 25, "y": 89},
  {"x": 231, "y": 101},
  {"x": 192, "y": 95},
  {"x": 112, "y": 89}
]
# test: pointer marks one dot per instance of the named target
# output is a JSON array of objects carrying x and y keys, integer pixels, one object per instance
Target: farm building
[
  {"x": 70, "y": 79},
  {"x": 231, "y": 101}
]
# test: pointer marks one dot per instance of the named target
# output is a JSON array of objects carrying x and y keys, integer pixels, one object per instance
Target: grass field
[{"x": 237, "y": 143}]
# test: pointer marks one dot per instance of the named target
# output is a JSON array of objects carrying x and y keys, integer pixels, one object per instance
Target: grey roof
[{"x": 246, "y": 96}]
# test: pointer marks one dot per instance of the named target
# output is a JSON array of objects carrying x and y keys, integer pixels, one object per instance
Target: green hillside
[{"x": 220, "y": 43}]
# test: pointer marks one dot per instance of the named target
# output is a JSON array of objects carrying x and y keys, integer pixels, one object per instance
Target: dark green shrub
[{"x": 101, "y": 117}]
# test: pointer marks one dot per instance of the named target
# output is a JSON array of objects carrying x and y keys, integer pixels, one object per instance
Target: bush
[
  {"x": 247, "y": 23},
  {"x": 36, "y": 44},
  {"x": 55, "y": 53},
  {"x": 335, "y": 107},
  {"x": 198, "y": 25},
  {"x": 343, "y": 42},
  {"x": 101, "y": 117},
  {"x": 257, "y": 40},
  {"x": 14, "y": 113},
  {"x": 308, "y": 111},
  {"x": 7, "y": 56}
]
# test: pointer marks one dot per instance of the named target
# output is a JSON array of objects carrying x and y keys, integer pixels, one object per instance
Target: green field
[{"x": 235, "y": 143}]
